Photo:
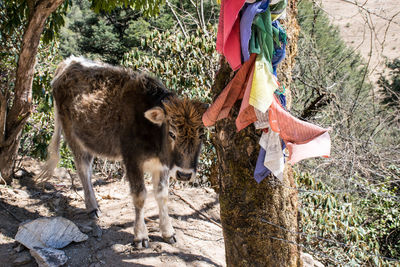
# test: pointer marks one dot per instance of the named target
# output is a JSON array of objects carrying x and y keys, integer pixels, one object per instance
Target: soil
[
  {"x": 374, "y": 35},
  {"x": 194, "y": 213}
]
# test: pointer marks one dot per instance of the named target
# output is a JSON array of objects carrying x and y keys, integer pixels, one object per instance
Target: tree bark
[
  {"x": 21, "y": 106},
  {"x": 260, "y": 221}
]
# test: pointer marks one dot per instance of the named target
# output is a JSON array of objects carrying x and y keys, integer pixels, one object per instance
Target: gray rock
[
  {"x": 119, "y": 248},
  {"x": 49, "y": 257},
  {"x": 49, "y": 233},
  {"x": 308, "y": 261},
  {"x": 85, "y": 228},
  {"x": 22, "y": 258}
]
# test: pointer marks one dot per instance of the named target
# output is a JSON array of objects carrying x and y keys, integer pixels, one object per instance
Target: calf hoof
[
  {"x": 140, "y": 244},
  {"x": 96, "y": 230},
  {"x": 94, "y": 214},
  {"x": 170, "y": 240}
]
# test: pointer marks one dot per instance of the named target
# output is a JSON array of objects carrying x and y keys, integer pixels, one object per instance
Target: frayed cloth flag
[
  {"x": 228, "y": 36},
  {"x": 274, "y": 160},
  {"x": 303, "y": 139},
  {"x": 222, "y": 105}
]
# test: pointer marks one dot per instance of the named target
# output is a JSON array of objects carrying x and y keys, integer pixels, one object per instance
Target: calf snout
[{"x": 183, "y": 176}]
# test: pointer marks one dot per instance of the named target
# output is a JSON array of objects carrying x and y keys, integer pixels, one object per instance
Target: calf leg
[
  {"x": 138, "y": 190},
  {"x": 160, "y": 184},
  {"x": 83, "y": 163}
]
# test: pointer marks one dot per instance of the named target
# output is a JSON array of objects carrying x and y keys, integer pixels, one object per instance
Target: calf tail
[{"x": 53, "y": 150}]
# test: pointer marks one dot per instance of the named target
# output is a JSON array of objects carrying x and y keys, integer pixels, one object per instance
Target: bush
[
  {"x": 349, "y": 228},
  {"x": 350, "y": 199},
  {"x": 389, "y": 90}
]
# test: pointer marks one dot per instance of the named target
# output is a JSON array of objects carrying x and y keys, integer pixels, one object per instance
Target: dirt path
[{"x": 200, "y": 241}]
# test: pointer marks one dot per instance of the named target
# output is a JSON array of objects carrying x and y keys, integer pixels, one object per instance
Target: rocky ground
[{"x": 194, "y": 213}]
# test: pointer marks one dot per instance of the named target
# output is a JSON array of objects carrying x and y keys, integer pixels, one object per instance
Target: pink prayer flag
[
  {"x": 228, "y": 36},
  {"x": 226, "y": 99},
  {"x": 247, "y": 115},
  {"x": 318, "y": 147},
  {"x": 303, "y": 139}
]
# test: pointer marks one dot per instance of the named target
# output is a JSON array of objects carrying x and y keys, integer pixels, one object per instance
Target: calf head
[{"x": 183, "y": 133}]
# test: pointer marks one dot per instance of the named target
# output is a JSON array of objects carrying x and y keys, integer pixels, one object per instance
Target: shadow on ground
[{"x": 200, "y": 242}]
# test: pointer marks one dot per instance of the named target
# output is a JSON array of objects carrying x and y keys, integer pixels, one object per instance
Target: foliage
[
  {"x": 348, "y": 228},
  {"x": 390, "y": 89},
  {"x": 186, "y": 64},
  {"x": 106, "y": 36},
  {"x": 351, "y": 198},
  {"x": 193, "y": 15},
  {"x": 148, "y": 7},
  {"x": 330, "y": 89},
  {"x": 14, "y": 16},
  {"x": 8, "y": 63}
]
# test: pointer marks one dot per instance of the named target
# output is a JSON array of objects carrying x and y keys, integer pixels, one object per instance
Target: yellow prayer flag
[{"x": 264, "y": 85}]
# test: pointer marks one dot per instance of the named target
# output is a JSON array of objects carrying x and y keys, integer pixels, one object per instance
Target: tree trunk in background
[
  {"x": 13, "y": 122},
  {"x": 260, "y": 221}
]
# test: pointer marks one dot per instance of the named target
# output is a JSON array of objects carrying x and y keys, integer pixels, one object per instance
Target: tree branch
[
  {"x": 3, "y": 115},
  {"x": 27, "y": 61},
  {"x": 372, "y": 12},
  {"x": 177, "y": 18}
]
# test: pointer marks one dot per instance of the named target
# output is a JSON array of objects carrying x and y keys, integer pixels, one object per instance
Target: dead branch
[
  {"x": 177, "y": 18},
  {"x": 372, "y": 12}
]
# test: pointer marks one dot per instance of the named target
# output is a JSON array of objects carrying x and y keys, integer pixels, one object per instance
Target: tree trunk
[
  {"x": 260, "y": 221},
  {"x": 15, "y": 119}
]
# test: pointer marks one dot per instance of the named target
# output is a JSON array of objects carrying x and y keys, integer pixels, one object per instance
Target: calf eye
[{"x": 172, "y": 135}]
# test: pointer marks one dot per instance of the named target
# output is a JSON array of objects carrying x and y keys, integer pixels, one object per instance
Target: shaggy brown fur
[
  {"x": 185, "y": 119},
  {"x": 116, "y": 113}
]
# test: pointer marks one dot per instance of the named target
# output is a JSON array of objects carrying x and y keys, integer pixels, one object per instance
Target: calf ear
[{"x": 156, "y": 115}]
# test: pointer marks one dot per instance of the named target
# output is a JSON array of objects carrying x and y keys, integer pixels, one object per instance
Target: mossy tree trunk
[{"x": 260, "y": 221}]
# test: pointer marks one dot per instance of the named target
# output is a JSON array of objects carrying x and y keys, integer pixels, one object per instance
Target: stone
[
  {"x": 22, "y": 258},
  {"x": 21, "y": 193},
  {"x": 119, "y": 248},
  {"x": 49, "y": 233},
  {"x": 85, "y": 228},
  {"x": 308, "y": 261},
  {"x": 49, "y": 257}
]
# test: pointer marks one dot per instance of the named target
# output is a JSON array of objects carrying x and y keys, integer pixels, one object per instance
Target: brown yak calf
[{"x": 115, "y": 113}]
